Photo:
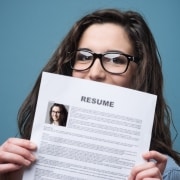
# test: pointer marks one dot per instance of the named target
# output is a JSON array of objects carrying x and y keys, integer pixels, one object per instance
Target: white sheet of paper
[{"x": 108, "y": 128}]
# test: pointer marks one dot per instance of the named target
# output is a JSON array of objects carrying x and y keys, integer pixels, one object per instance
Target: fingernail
[
  {"x": 33, "y": 146},
  {"x": 32, "y": 157},
  {"x": 27, "y": 163}
]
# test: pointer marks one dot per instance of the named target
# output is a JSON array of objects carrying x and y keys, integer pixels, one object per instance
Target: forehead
[
  {"x": 56, "y": 108},
  {"x": 104, "y": 37}
]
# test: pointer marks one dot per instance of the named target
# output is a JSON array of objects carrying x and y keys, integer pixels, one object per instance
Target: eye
[
  {"x": 115, "y": 58},
  {"x": 83, "y": 56}
]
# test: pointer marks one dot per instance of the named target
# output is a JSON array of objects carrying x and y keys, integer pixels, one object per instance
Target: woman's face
[
  {"x": 101, "y": 38},
  {"x": 55, "y": 113}
]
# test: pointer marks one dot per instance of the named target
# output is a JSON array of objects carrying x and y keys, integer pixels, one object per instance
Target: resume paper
[{"x": 107, "y": 129}]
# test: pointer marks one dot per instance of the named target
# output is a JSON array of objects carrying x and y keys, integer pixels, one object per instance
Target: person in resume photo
[
  {"x": 114, "y": 47},
  {"x": 58, "y": 114}
]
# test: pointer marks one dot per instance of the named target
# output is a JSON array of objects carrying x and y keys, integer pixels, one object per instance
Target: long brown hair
[{"x": 148, "y": 77}]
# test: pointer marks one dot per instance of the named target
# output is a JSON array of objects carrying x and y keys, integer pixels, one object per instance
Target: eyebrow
[
  {"x": 86, "y": 49},
  {"x": 108, "y": 51}
]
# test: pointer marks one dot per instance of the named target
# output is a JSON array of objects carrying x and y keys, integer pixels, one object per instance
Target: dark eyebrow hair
[
  {"x": 108, "y": 51},
  {"x": 85, "y": 49},
  {"x": 115, "y": 51}
]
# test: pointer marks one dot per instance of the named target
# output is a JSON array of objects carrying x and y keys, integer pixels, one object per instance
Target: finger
[
  {"x": 9, "y": 151},
  {"x": 155, "y": 155},
  {"x": 6, "y": 157},
  {"x": 152, "y": 173},
  {"x": 4, "y": 168},
  {"x": 140, "y": 168},
  {"x": 21, "y": 142},
  {"x": 160, "y": 159}
]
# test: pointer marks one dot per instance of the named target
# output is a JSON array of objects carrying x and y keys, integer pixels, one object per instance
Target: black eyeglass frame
[{"x": 99, "y": 56}]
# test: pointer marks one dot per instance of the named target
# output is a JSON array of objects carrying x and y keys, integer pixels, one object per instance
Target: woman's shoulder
[{"x": 172, "y": 170}]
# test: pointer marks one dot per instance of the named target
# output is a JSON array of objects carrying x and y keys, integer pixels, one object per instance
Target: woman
[
  {"x": 93, "y": 49},
  {"x": 58, "y": 114}
]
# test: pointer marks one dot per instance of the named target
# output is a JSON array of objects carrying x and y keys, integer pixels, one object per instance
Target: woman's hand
[
  {"x": 16, "y": 153},
  {"x": 151, "y": 170}
]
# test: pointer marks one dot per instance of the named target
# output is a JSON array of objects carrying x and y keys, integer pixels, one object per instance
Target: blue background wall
[{"x": 31, "y": 30}]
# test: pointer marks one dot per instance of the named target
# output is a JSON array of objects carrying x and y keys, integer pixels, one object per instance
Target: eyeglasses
[
  {"x": 114, "y": 62},
  {"x": 56, "y": 112}
]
